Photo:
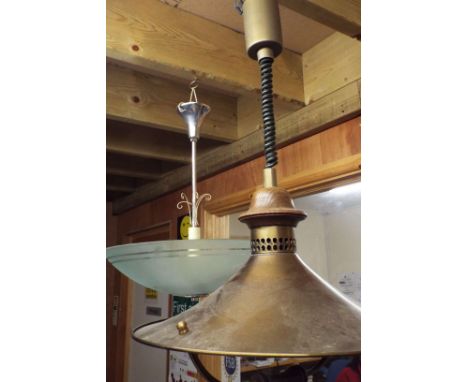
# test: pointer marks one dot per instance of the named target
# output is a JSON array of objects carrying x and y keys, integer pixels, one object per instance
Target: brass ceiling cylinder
[{"x": 262, "y": 28}]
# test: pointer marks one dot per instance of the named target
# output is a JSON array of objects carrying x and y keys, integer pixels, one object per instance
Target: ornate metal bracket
[{"x": 192, "y": 211}]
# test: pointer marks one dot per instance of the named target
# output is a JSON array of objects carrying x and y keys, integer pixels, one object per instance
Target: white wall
[
  {"x": 329, "y": 240},
  {"x": 311, "y": 242},
  {"x": 146, "y": 364},
  {"x": 343, "y": 240},
  {"x": 238, "y": 230}
]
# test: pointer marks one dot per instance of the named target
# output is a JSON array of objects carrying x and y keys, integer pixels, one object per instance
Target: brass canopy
[{"x": 275, "y": 306}]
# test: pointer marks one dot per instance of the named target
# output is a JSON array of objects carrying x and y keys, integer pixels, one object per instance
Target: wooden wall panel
[{"x": 342, "y": 141}]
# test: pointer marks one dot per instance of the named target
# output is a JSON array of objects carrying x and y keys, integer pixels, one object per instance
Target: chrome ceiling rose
[
  {"x": 275, "y": 306},
  {"x": 193, "y": 114}
]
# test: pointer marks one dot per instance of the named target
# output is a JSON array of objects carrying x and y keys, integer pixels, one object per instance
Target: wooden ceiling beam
[
  {"x": 151, "y": 101},
  {"x": 328, "y": 111},
  {"x": 146, "y": 142},
  {"x": 161, "y": 151},
  {"x": 153, "y": 37},
  {"x": 120, "y": 188},
  {"x": 143, "y": 142},
  {"x": 330, "y": 65},
  {"x": 120, "y": 183},
  {"x": 112, "y": 195},
  {"x": 137, "y": 167},
  {"x": 341, "y": 15},
  {"x": 249, "y": 115},
  {"x": 132, "y": 173}
]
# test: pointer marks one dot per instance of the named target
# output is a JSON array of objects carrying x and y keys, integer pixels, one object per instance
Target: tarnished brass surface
[
  {"x": 273, "y": 239},
  {"x": 275, "y": 306},
  {"x": 271, "y": 206}
]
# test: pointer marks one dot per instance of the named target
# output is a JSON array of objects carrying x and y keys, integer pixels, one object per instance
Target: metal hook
[{"x": 193, "y": 85}]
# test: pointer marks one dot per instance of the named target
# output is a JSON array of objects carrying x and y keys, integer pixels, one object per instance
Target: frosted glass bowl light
[{"x": 181, "y": 267}]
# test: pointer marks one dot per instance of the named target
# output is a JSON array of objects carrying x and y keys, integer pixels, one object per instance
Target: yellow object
[
  {"x": 184, "y": 227},
  {"x": 151, "y": 293}
]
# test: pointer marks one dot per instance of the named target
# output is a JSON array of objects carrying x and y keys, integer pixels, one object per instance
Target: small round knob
[{"x": 182, "y": 327}]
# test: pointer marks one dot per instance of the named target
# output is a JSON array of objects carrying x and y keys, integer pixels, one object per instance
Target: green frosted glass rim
[
  {"x": 181, "y": 267},
  {"x": 177, "y": 248}
]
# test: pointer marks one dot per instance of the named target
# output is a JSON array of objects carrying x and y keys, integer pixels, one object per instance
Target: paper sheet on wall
[
  {"x": 230, "y": 369},
  {"x": 181, "y": 368},
  {"x": 349, "y": 284}
]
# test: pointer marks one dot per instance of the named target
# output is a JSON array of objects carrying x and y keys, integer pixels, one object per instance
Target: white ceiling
[
  {"x": 299, "y": 32},
  {"x": 333, "y": 201}
]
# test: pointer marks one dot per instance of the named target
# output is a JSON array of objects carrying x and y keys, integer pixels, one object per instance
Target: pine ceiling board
[
  {"x": 149, "y": 36},
  {"x": 300, "y": 33}
]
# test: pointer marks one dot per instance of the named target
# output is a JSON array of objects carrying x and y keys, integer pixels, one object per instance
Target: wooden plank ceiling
[{"x": 155, "y": 48}]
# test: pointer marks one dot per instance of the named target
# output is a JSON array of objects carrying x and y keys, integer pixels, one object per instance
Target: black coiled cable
[{"x": 269, "y": 132}]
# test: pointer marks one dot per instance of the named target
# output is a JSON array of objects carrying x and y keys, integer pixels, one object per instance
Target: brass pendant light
[{"x": 275, "y": 306}]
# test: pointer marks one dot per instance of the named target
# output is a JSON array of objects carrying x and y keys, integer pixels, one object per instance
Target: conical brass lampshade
[{"x": 275, "y": 306}]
